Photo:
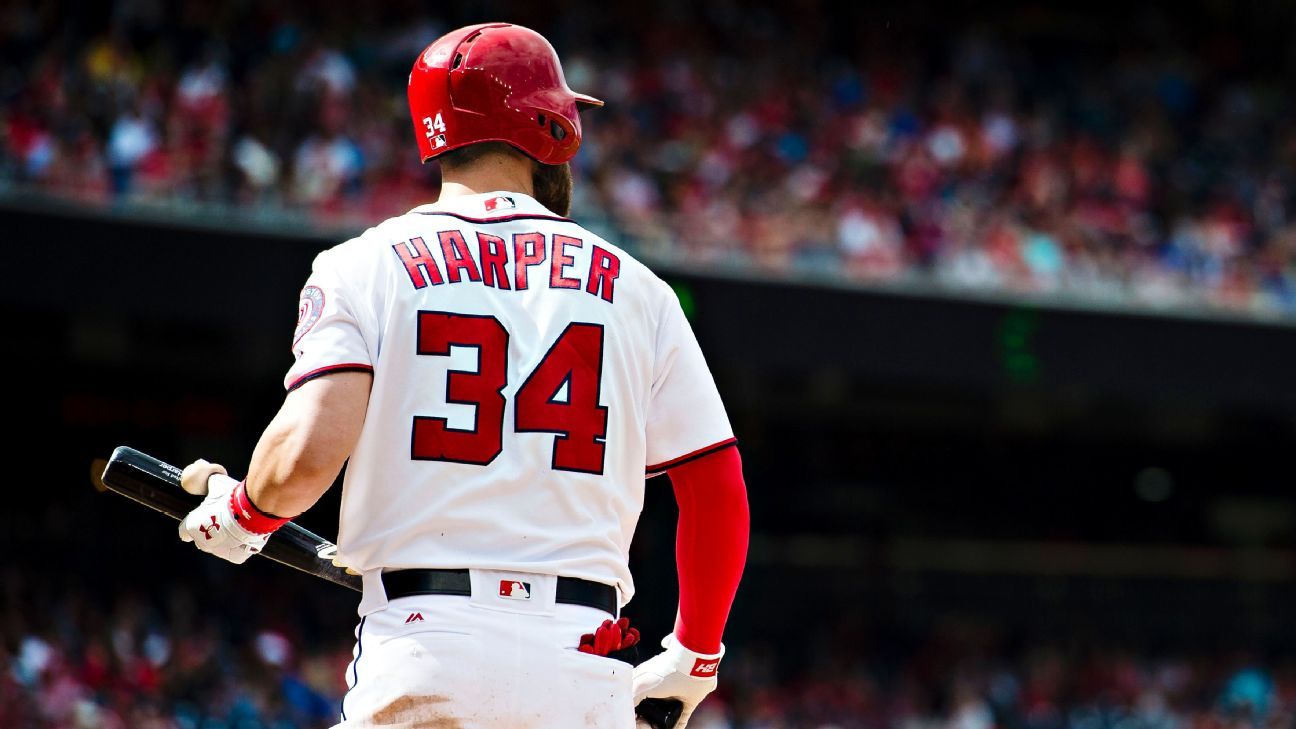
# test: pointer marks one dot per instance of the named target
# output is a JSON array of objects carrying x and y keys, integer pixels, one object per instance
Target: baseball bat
[
  {"x": 156, "y": 484},
  {"x": 659, "y": 713}
]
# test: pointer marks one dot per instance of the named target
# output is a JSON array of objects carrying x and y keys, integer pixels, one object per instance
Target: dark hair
[
  {"x": 551, "y": 184},
  {"x": 473, "y": 152}
]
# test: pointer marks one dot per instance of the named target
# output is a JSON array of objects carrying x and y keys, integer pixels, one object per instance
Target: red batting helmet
[{"x": 494, "y": 82}]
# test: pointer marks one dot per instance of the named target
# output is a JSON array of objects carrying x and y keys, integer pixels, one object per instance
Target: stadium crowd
[
  {"x": 824, "y": 142},
  {"x": 72, "y": 658}
]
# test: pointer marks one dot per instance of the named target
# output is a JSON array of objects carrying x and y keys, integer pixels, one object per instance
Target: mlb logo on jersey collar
[
  {"x": 500, "y": 203},
  {"x": 515, "y": 590}
]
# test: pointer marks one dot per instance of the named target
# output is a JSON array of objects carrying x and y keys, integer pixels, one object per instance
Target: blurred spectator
[
  {"x": 976, "y": 159},
  {"x": 117, "y": 660}
]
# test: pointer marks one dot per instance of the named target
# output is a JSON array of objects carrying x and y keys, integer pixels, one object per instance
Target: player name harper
[{"x": 510, "y": 264}]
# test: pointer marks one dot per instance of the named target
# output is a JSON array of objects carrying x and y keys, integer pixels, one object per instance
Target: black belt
[{"x": 571, "y": 590}]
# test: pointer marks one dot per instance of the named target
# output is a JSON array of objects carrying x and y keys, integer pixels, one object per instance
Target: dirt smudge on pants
[{"x": 417, "y": 712}]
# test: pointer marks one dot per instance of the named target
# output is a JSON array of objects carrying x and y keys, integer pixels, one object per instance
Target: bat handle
[{"x": 659, "y": 713}]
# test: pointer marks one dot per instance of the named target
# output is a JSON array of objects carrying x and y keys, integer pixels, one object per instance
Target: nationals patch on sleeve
[{"x": 309, "y": 310}]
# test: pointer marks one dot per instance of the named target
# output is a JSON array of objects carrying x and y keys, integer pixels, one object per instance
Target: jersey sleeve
[
  {"x": 686, "y": 419},
  {"x": 334, "y": 331}
]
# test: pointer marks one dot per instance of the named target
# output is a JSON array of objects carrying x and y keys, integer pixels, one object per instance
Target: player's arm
[
  {"x": 710, "y": 551},
  {"x": 710, "y": 545},
  {"x": 689, "y": 437},
  {"x": 298, "y": 457},
  {"x": 316, "y": 429},
  {"x": 303, "y": 449}
]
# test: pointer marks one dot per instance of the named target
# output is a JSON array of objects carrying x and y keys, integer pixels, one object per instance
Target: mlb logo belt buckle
[
  {"x": 515, "y": 590},
  {"x": 434, "y": 581}
]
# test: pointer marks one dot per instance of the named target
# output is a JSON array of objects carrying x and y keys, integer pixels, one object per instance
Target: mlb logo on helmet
[
  {"x": 500, "y": 203},
  {"x": 514, "y": 590}
]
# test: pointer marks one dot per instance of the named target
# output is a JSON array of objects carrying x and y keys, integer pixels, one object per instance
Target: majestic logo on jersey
[
  {"x": 500, "y": 203},
  {"x": 514, "y": 590},
  {"x": 309, "y": 310},
  {"x": 414, "y": 618}
]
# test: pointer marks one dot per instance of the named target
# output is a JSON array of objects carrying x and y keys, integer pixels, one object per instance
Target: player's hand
[
  {"x": 212, "y": 526},
  {"x": 677, "y": 673},
  {"x": 195, "y": 476}
]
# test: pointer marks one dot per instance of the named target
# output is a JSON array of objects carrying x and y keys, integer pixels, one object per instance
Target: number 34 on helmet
[{"x": 495, "y": 82}]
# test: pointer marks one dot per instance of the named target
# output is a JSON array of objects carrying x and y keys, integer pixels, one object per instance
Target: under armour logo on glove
[
  {"x": 610, "y": 637},
  {"x": 207, "y": 530}
]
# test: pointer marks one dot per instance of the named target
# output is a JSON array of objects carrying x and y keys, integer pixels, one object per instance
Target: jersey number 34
[{"x": 574, "y": 365}]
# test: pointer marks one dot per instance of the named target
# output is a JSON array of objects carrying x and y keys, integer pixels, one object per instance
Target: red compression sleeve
[{"x": 710, "y": 545}]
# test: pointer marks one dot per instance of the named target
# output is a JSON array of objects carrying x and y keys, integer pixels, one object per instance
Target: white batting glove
[
  {"x": 212, "y": 526},
  {"x": 677, "y": 673}
]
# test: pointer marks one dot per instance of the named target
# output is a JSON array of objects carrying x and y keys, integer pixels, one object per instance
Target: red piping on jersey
[
  {"x": 501, "y": 219},
  {"x": 710, "y": 545},
  {"x": 348, "y": 367},
  {"x": 654, "y": 470}
]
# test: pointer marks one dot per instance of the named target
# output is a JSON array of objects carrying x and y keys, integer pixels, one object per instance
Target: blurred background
[{"x": 1001, "y": 297}]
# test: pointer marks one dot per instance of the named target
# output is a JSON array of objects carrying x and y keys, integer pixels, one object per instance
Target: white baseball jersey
[{"x": 527, "y": 375}]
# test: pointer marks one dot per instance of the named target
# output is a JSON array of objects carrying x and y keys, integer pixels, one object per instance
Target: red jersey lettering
[
  {"x": 560, "y": 260},
  {"x": 494, "y": 259},
  {"x": 457, "y": 257},
  {"x": 603, "y": 273},
  {"x": 528, "y": 250},
  {"x": 417, "y": 261}
]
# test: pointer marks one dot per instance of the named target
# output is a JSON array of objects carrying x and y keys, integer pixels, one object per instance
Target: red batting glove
[{"x": 609, "y": 637}]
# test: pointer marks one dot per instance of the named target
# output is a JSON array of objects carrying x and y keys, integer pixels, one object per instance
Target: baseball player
[{"x": 501, "y": 380}]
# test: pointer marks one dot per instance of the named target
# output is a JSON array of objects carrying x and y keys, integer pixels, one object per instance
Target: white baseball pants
[{"x": 489, "y": 661}]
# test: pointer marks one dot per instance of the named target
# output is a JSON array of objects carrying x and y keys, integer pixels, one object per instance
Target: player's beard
[{"x": 553, "y": 187}]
